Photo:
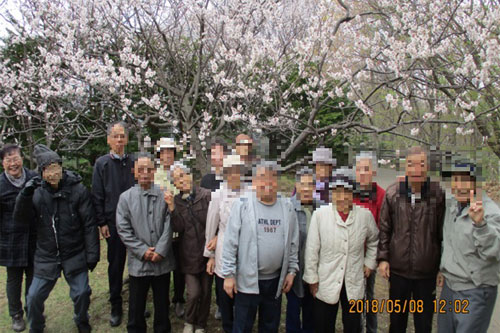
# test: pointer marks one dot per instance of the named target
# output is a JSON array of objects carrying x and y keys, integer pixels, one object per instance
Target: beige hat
[
  {"x": 165, "y": 143},
  {"x": 231, "y": 160}
]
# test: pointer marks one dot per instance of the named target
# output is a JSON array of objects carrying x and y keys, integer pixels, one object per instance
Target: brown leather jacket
[
  {"x": 410, "y": 237},
  {"x": 189, "y": 220}
]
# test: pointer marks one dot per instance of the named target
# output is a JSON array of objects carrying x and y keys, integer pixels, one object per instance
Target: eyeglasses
[{"x": 12, "y": 160}]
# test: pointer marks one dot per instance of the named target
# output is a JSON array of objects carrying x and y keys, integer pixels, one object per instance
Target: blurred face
[
  {"x": 144, "y": 172},
  {"x": 13, "y": 163},
  {"x": 167, "y": 157},
  {"x": 52, "y": 174},
  {"x": 217, "y": 156},
  {"x": 243, "y": 149},
  {"x": 182, "y": 180},
  {"x": 266, "y": 184},
  {"x": 323, "y": 171},
  {"x": 461, "y": 185},
  {"x": 233, "y": 177},
  {"x": 117, "y": 139},
  {"x": 305, "y": 188},
  {"x": 364, "y": 172},
  {"x": 342, "y": 198},
  {"x": 416, "y": 168}
]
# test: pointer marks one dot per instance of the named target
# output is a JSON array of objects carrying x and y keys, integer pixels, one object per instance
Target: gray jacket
[
  {"x": 298, "y": 283},
  {"x": 143, "y": 221},
  {"x": 240, "y": 256},
  {"x": 471, "y": 255}
]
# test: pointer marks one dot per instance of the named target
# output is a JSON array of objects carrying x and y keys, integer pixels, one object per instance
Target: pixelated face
[
  {"x": 217, "y": 155},
  {"x": 167, "y": 157},
  {"x": 461, "y": 185},
  {"x": 13, "y": 163},
  {"x": 243, "y": 149},
  {"x": 342, "y": 197},
  {"x": 266, "y": 183},
  {"x": 144, "y": 171},
  {"x": 305, "y": 188},
  {"x": 117, "y": 139},
  {"x": 52, "y": 174},
  {"x": 182, "y": 180},
  {"x": 416, "y": 167},
  {"x": 233, "y": 177},
  {"x": 323, "y": 171},
  {"x": 364, "y": 172}
]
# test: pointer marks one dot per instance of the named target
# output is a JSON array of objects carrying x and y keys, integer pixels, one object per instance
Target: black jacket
[
  {"x": 17, "y": 240},
  {"x": 67, "y": 235},
  {"x": 111, "y": 178}
]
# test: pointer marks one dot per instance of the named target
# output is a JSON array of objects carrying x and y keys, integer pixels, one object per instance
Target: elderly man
[
  {"x": 67, "y": 238},
  {"x": 17, "y": 240},
  {"x": 112, "y": 176},
  {"x": 409, "y": 250},
  {"x": 323, "y": 166},
  {"x": 244, "y": 145},
  {"x": 470, "y": 263},
  {"x": 214, "y": 179},
  {"x": 165, "y": 150},
  {"x": 299, "y": 298},
  {"x": 259, "y": 259},
  {"x": 143, "y": 224},
  {"x": 188, "y": 216},
  {"x": 369, "y": 195}
]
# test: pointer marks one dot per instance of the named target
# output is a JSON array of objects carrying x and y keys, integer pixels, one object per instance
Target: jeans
[
  {"x": 226, "y": 305},
  {"x": 40, "y": 289},
  {"x": 480, "y": 303},
  {"x": 266, "y": 303},
  {"x": 293, "y": 308},
  {"x": 14, "y": 288},
  {"x": 138, "y": 295}
]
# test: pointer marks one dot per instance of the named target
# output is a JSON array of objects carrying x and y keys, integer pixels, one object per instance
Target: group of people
[{"x": 321, "y": 247}]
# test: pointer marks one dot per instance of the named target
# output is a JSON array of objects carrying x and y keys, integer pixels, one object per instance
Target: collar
[
  {"x": 118, "y": 157},
  {"x": 405, "y": 189},
  {"x": 368, "y": 195},
  {"x": 148, "y": 192}
]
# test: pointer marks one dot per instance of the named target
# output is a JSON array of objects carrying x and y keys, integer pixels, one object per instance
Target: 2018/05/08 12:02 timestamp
[{"x": 412, "y": 306}]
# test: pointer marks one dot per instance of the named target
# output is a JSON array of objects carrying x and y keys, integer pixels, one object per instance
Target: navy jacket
[
  {"x": 111, "y": 178},
  {"x": 17, "y": 240}
]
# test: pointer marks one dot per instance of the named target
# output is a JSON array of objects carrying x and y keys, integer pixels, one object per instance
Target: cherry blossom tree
[{"x": 202, "y": 68}]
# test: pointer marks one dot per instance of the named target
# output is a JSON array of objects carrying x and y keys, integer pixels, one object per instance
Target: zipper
[{"x": 55, "y": 233}]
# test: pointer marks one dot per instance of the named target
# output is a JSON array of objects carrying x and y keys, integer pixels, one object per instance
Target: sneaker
[
  {"x": 188, "y": 328},
  {"x": 199, "y": 330},
  {"x": 18, "y": 323},
  {"x": 179, "y": 310},
  {"x": 218, "y": 315}
]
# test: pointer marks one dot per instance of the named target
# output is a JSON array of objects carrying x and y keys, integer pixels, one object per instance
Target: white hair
[
  {"x": 180, "y": 165},
  {"x": 371, "y": 155}
]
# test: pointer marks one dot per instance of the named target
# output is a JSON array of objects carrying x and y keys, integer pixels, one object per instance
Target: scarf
[{"x": 17, "y": 182}]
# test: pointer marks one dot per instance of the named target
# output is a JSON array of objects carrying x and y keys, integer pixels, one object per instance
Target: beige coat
[{"x": 335, "y": 252}]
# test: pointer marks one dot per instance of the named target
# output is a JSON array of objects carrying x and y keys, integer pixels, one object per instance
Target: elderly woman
[
  {"x": 218, "y": 214},
  {"x": 336, "y": 261},
  {"x": 188, "y": 211}
]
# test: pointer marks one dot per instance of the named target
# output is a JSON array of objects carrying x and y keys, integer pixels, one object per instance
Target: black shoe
[
  {"x": 116, "y": 318},
  {"x": 84, "y": 328},
  {"x": 18, "y": 323}
]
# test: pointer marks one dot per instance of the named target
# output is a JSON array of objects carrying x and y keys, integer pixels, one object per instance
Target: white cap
[
  {"x": 231, "y": 160},
  {"x": 165, "y": 143}
]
